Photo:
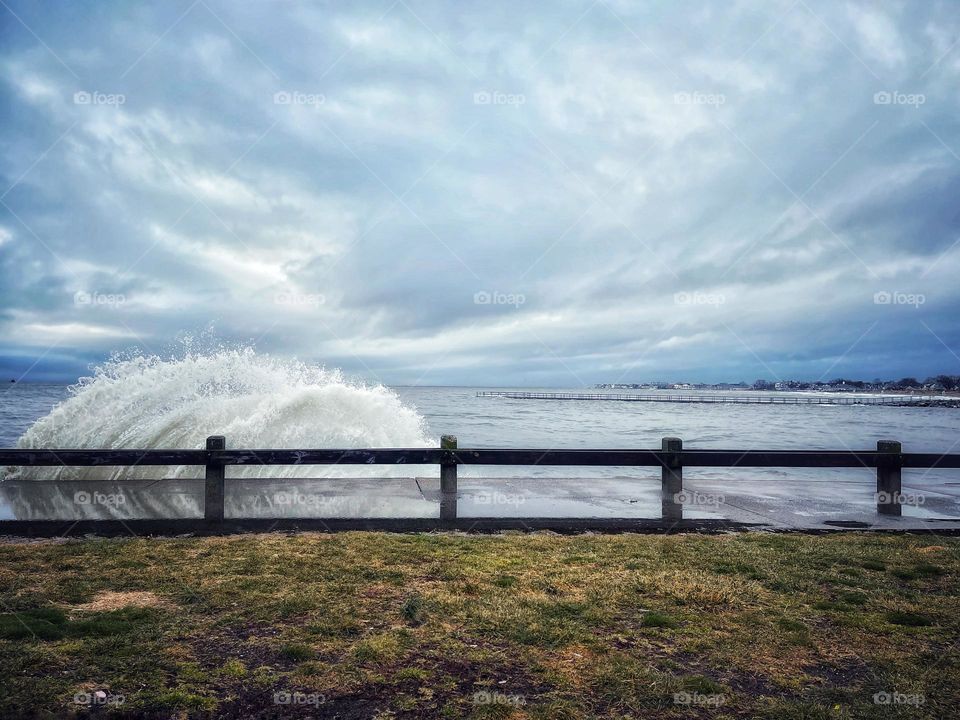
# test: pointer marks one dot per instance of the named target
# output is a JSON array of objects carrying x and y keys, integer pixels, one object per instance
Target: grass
[
  {"x": 657, "y": 619},
  {"x": 447, "y": 626}
]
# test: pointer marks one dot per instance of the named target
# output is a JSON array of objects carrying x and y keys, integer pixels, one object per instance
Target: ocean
[
  {"x": 501, "y": 422},
  {"x": 262, "y": 402}
]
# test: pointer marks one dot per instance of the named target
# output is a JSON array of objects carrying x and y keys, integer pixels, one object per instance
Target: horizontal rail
[
  {"x": 930, "y": 460},
  {"x": 93, "y": 458},
  {"x": 475, "y": 456}
]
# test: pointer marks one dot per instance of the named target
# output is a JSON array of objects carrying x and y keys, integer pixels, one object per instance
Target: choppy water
[
  {"x": 500, "y": 422},
  {"x": 260, "y": 402}
]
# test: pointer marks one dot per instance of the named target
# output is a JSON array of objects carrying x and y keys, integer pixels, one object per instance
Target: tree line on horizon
[{"x": 938, "y": 382}]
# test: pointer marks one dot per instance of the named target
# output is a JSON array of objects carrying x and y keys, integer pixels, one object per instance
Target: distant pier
[{"x": 895, "y": 400}]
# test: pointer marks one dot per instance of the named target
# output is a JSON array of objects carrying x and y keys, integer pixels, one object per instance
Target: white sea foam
[{"x": 255, "y": 400}]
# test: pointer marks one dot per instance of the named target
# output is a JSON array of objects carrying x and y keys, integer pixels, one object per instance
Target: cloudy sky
[{"x": 491, "y": 193}]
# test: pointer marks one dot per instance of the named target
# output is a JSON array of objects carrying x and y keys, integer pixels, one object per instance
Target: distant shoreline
[
  {"x": 721, "y": 398},
  {"x": 700, "y": 387}
]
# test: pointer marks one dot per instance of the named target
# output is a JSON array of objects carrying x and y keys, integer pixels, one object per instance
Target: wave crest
[{"x": 255, "y": 400}]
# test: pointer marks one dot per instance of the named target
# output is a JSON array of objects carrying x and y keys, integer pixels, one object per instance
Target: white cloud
[
  {"x": 878, "y": 35},
  {"x": 37, "y": 333},
  {"x": 599, "y": 196}
]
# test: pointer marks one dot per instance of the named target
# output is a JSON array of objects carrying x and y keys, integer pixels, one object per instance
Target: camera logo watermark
[
  {"x": 295, "y": 97},
  {"x": 910, "y": 499},
  {"x": 495, "y": 97},
  {"x": 495, "y": 297},
  {"x": 298, "y": 299},
  {"x": 84, "y": 298},
  {"x": 699, "y": 98},
  {"x": 487, "y": 697},
  {"x": 83, "y": 97},
  {"x": 499, "y": 498},
  {"x": 695, "y": 698},
  {"x": 885, "y": 697},
  {"x": 98, "y": 697},
  {"x": 82, "y": 497},
  {"x": 287, "y": 697},
  {"x": 698, "y": 499},
  {"x": 699, "y": 298},
  {"x": 899, "y": 298},
  {"x": 885, "y": 97},
  {"x": 299, "y": 498}
]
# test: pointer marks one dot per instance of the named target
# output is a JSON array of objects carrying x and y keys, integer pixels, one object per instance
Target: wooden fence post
[
  {"x": 213, "y": 485},
  {"x": 888, "y": 477},
  {"x": 448, "y": 481},
  {"x": 671, "y": 479}
]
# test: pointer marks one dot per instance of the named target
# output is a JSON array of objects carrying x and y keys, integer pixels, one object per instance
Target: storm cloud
[{"x": 514, "y": 194}]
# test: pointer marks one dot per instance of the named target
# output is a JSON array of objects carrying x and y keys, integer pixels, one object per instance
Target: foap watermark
[
  {"x": 895, "y": 97},
  {"x": 699, "y": 699},
  {"x": 299, "y": 299},
  {"x": 899, "y": 298},
  {"x": 97, "y": 698},
  {"x": 495, "y": 297},
  {"x": 899, "y": 498},
  {"x": 499, "y": 498},
  {"x": 296, "y": 97},
  {"x": 887, "y": 697},
  {"x": 495, "y": 97},
  {"x": 699, "y": 298},
  {"x": 291, "y": 498},
  {"x": 85, "y": 298},
  {"x": 84, "y": 97},
  {"x": 82, "y": 497},
  {"x": 699, "y": 98},
  {"x": 490, "y": 697},
  {"x": 694, "y": 498},
  {"x": 291, "y": 697}
]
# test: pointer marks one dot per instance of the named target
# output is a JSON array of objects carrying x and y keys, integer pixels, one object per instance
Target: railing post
[
  {"x": 448, "y": 481},
  {"x": 671, "y": 479},
  {"x": 213, "y": 485},
  {"x": 888, "y": 477}
]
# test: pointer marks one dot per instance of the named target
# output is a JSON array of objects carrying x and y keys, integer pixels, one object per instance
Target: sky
[{"x": 539, "y": 194}]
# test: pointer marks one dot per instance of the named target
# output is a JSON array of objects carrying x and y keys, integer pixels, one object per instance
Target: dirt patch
[
  {"x": 667, "y": 658},
  {"x": 846, "y": 672},
  {"x": 249, "y": 643},
  {"x": 457, "y": 684},
  {"x": 108, "y": 600}
]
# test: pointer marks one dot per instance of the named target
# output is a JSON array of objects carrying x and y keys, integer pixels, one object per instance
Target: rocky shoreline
[{"x": 947, "y": 402}]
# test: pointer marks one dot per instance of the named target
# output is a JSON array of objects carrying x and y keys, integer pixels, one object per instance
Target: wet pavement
[{"x": 782, "y": 502}]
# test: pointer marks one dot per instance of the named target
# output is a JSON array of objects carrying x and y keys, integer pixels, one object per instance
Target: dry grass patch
[
  {"x": 700, "y": 588},
  {"x": 572, "y": 663},
  {"x": 107, "y": 600}
]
